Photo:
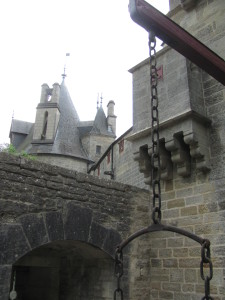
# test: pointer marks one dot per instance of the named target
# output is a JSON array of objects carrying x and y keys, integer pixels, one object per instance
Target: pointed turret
[{"x": 60, "y": 137}]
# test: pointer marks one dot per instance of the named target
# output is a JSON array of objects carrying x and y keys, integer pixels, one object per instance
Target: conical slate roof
[
  {"x": 67, "y": 139},
  {"x": 100, "y": 123}
]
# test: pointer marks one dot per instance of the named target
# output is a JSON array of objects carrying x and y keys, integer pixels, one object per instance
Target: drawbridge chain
[
  {"x": 155, "y": 157},
  {"x": 118, "y": 273},
  {"x": 156, "y": 225}
]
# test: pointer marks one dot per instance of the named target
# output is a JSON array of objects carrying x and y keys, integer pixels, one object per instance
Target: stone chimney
[
  {"x": 111, "y": 118},
  {"x": 50, "y": 95},
  {"x": 44, "y": 93},
  {"x": 55, "y": 93},
  {"x": 47, "y": 114}
]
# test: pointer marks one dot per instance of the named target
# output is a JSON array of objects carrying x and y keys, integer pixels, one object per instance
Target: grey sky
[{"x": 103, "y": 43}]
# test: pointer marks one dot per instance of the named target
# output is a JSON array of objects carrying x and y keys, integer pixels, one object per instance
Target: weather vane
[{"x": 64, "y": 73}]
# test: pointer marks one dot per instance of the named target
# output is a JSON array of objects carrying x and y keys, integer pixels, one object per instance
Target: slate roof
[
  {"x": 22, "y": 127},
  {"x": 67, "y": 139},
  {"x": 100, "y": 125},
  {"x": 85, "y": 127}
]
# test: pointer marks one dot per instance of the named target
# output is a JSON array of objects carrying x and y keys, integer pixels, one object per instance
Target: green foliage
[
  {"x": 12, "y": 150},
  {"x": 26, "y": 155}
]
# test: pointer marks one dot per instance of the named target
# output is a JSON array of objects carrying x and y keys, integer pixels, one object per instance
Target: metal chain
[
  {"x": 155, "y": 157},
  {"x": 118, "y": 273},
  {"x": 206, "y": 263}
]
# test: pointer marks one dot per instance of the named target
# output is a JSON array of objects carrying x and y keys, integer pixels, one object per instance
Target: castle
[
  {"x": 60, "y": 228},
  {"x": 58, "y": 136}
]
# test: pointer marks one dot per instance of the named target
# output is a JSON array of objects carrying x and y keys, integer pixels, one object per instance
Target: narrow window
[
  {"x": 98, "y": 150},
  {"x": 45, "y": 124},
  {"x": 99, "y": 170},
  {"x": 121, "y": 146}
]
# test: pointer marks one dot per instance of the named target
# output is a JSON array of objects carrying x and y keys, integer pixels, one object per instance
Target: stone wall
[
  {"x": 119, "y": 159},
  {"x": 64, "y": 161},
  {"x": 192, "y": 143},
  {"x": 43, "y": 208}
]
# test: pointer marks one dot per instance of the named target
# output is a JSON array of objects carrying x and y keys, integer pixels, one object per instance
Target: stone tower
[{"x": 98, "y": 135}]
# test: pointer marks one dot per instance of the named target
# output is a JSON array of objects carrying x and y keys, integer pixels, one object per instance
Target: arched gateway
[
  {"x": 64, "y": 270},
  {"x": 63, "y": 257}
]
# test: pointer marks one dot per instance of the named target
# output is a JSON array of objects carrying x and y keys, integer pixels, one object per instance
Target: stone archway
[
  {"x": 72, "y": 234},
  {"x": 65, "y": 270}
]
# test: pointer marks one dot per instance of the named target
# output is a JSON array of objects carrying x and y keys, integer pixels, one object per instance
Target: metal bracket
[{"x": 177, "y": 38}]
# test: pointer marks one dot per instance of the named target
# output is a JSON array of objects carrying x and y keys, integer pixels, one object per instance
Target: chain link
[
  {"x": 118, "y": 273},
  {"x": 206, "y": 263},
  {"x": 155, "y": 157}
]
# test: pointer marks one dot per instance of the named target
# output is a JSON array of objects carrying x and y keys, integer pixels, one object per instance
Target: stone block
[
  {"x": 156, "y": 263},
  {"x": 176, "y": 275},
  {"x": 165, "y": 253},
  {"x": 13, "y": 243},
  {"x": 77, "y": 222},
  {"x": 165, "y": 295},
  {"x": 182, "y": 252},
  {"x": 170, "y": 263},
  {"x": 189, "y": 211},
  {"x": 112, "y": 240},
  {"x": 175, "y": 242},
  {"x": 54, "y": 226},
  {"x": 34, "y": 229},
  {"x": 189, "y": 262},
  {"x": 171, "y": 286},
  {"x": 175, "y": 203},
  {"x": 98, "y": 234}
]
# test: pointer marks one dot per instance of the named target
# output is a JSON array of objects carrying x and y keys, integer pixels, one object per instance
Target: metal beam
[{"x": 177, "y": 38}]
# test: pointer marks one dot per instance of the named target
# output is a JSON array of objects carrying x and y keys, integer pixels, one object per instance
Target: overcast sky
[{"x": 103, "y": 42}]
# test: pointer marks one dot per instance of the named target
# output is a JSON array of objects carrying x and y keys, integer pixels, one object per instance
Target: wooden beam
[{"x": 177, "y": 38}]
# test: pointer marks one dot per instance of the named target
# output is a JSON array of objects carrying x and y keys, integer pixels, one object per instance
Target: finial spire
[
  {"x": 64, "y": 73},
  {"x": 97, "y": 101},
  {"x": 101, "y": 100}
]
